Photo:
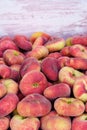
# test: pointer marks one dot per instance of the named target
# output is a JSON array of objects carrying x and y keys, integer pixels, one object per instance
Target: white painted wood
[{"x": 56, "y": 17}]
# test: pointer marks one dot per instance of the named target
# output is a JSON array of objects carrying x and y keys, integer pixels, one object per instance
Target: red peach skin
[
  {"x": 8, "y": 104},
  {"x": 4, "y": 123},
  {"x": 53, "y": 121},
  {"x": 20, "y": 123},
  {"x": 33, "y": 82},
  {"x": 34, "y": 105},
  {"x": 57, "y": 90},
  {"x": 69, "y": 106},
  {"x": 80, "y": 122}
]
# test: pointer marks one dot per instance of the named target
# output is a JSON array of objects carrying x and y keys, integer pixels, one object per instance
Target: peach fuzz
[
  {"x": 38, "y": 52},
  {"x": 28, "y": 65},
  {"x": 80, "y": 88},
  {"x": 69, "y": 106},
  {"x": 53, "y": 121},
  {"x": 78, "y": 51},
  {"x": 20, "y": 123},
  {"x": 35, "y": 35},
  {"x": 50, "y": 68},
  {"x": 34, "y": 105},
  {"x": 68, "y": 75},
  {"x": 4, "y": 123},
  {"x": 55, "y": 44},
  {"x": 5, "y": 71},
  {"x": 7, "y": 104},
  {"x": 10, "y": 85},
  {"x": 33, "y": 82},
  {"x": 57, "y": 90},
  {"x": 22, "y": 42},
  {"x": 80, "y": 122},
  {"x": 13, "y": 57}
]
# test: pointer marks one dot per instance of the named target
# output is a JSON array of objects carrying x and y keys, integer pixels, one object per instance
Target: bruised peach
[
  {"x": 57, "y": 90},
  {"x": 33, "y": 82},
  {"x": 8, "y": 104},
  {"x": 50, "y": 68},
  {"x": 34, "y": 105}
]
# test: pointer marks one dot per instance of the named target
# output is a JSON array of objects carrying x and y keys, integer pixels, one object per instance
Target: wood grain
[{"x": 56, "y": 17}]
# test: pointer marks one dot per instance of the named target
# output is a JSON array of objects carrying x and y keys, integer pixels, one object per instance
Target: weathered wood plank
[{"x": 57, "y": 17}]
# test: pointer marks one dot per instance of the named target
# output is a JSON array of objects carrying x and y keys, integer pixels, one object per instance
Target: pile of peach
[{"x": 43, "y": 82}]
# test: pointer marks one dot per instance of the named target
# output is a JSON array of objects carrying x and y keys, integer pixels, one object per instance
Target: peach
[
  {"x": 63, "y": 60},
  {"x": 65, "y": 51},
  {"x": 4, "y": 123},
  {"x": 55, "y": 55},
  {"x": 55, "y": 44},
  {"x": 15, "y": 72},
  {"x": 80, "y": 88},
  {"x": 79, "y": 39},
  {"x": 2, "y": 61},
  {"x": 7, "y": 104},
  {"x": 10, "y": 85},
  {"x": 22, "y": 42},
  {"x": 13, "y": 57},
  {"x": 5, "y": 71},
  {"x": 57, "y": 90},
  {"x": 28, "y": 65},
  {"x": 20, "y": 123},
  {"x": 38, "y": 52},
  {"x": 77, "y": 63},
  {"x": 78, "y": 51},
  {"x": 33, "y": 82},
  {"x": 7, "y": 44},
  {"x": 53, "y": 121},
  {"x": 68, "y": 41},
  {"x": 68, "y": 75},
  {"x": 34, "y": 105},
  {"x": 80, "y": 122},
  {"x": 3, "y": 90},
  {"x": 50, "y": 68},
  {"x": 35, "y": 35},
  {"x": 69, "y": 106},
  {"x": 38, "y": 42}
]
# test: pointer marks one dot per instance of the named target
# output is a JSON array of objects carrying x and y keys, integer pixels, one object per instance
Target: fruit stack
[{"x": 43, "y": 82}]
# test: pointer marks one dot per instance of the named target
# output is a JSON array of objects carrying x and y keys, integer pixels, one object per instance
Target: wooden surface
[{"x": 57, "y": 17}]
